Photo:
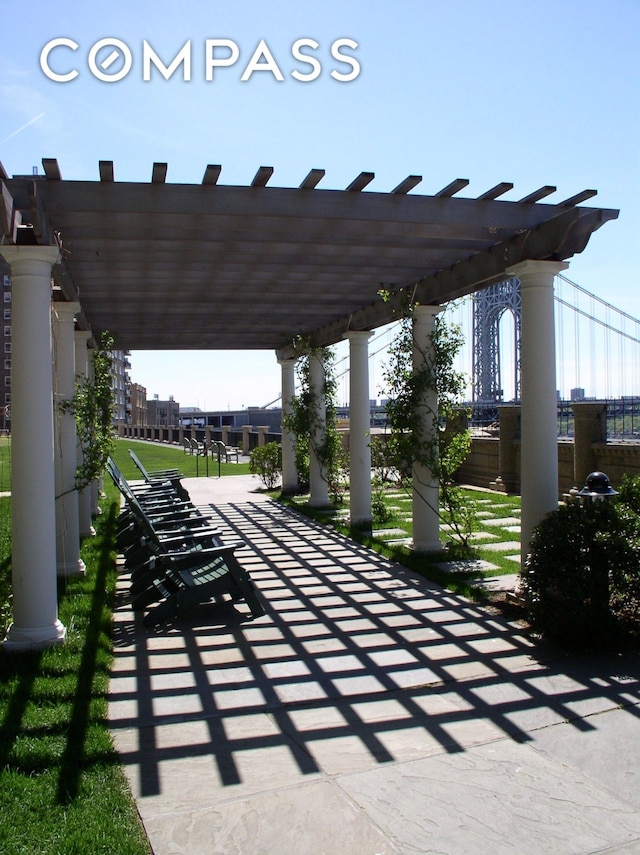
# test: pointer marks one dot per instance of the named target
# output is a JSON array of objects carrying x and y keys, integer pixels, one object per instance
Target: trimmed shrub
[{"x": 582, "y": 579}]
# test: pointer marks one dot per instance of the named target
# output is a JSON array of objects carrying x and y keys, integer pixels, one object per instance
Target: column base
[
  {"x": 91, "y": 532},
  {"x": 19, "y": 639},
  {"x": 73, "y": 568},
  {"x": 320, "y": 503},
  {"x": 362, "y": 526},
  {"x": 427, "y": 546}
]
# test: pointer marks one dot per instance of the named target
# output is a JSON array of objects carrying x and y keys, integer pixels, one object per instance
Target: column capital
[
  {"x": 82, "y": 335},
  {"x": 287, "y": 362},
  {"x": 358, "y": 336},
  {"x": 19, "y": 255},
  {"x": 66, "y": 311},
  {"x": 535, "y": 268},
  {"x": 427, "y": 310}
]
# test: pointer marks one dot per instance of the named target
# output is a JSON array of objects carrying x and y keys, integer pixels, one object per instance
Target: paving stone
[
  {"x": 496, "y": 584},
  {"x": 385, "y": 533},
  {"x": 503, "y": 546},
  {"x": 494, "y": 799},
  {"x": 474, "y": 565}
]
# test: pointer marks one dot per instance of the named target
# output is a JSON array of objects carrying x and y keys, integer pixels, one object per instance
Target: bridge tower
[{"x": 489, "y": 305}]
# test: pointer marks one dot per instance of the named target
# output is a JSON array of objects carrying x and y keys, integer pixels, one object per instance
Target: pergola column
[
  {"x": 289, "y": 469},
  {"x": 359, "y": 429},
  {"x": 66, "y": 442},
  {"x": 539, "y": 414},
  {"x": 84, "y": 496},
  {"x": 426, "y": 503},
  {"x": 35, "y": 606},
  {"x": 319, "y": 486}
]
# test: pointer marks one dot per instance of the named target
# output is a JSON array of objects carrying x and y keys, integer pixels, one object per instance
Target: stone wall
[{"x": 494, "y": 462}]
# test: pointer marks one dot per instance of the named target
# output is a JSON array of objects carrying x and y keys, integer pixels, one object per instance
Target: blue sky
[{"x": 503, "y": 90}]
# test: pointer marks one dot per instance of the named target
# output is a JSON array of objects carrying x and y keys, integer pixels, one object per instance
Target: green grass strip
[{"x": 62, "y": 788}]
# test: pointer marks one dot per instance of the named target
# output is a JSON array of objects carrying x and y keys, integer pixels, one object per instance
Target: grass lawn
[
  {"x": 158, "y": 456},
  {"x": 62, "y": 789}
]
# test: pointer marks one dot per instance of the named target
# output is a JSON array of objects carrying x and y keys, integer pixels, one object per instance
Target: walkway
[{"x": 367, "y": 713}]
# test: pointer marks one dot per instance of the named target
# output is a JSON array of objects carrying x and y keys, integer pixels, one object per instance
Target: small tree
[
  {"x": 444, "y": 449},
  {"x": 266, "y": 461}
]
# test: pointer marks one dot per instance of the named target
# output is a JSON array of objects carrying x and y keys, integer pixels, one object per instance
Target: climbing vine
[
  {"x": 93, "y": 406},
  {"x": 442, "y": 447},
  {"x": 305, "y": 422}
]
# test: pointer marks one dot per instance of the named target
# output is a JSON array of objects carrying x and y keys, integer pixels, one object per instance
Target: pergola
[{"x": 207, "y": 266}]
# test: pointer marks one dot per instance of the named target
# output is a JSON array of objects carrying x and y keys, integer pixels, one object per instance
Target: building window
[
  {"x": 7, "y": 347},
  {"x": 7, "y": 397},
  {"x": 7, "y": 296},
  {"x": 7, "y": 331},
  {"x": 7, "y": 365},
  {"x": 7, "y": 314},
  {"x": 7, "y": 281},
  {"x": 7, "y": 381}
]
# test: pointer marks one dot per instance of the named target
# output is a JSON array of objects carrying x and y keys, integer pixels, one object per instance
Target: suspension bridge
[{"x": 597, "y": 348}]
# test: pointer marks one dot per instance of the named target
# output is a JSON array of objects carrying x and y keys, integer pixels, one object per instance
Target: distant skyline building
[{"x": 163, "y": 413}]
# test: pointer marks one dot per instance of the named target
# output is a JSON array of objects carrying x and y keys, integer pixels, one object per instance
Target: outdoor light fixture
[{"x": 597, "y": 488}]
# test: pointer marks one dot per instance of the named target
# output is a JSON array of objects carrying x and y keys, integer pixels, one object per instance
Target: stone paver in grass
[
  {"x": 331, "y": 512},
  {"x": 386, "y": 533},
  {"x": 402, "y": 541},
  {"x": 473, "y": 565},
  {"x": 507, "y": 582},
  {"x": 503, "y": 546},
  {"x": 513, "y": 529},
  {"x": 515, "y": 558},
  {"x": 502, "y": 522},
  {"x": 476, "y": 536}
]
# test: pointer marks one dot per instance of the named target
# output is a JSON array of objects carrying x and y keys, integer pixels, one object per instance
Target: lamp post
[{"x": 596, "y": 489}]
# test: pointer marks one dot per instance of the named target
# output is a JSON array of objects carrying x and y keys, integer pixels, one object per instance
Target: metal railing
[{"x": 623, "y": 417}]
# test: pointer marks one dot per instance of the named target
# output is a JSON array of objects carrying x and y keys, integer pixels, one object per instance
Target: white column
[
  {"x": 319, "y": 487},
  {"x": 289, "y": 470},
  {"x": 35, "y": 606},
  {"x": 539, "y": 419},
  {"x": 426, "y": 503},
  {"x": 69, "y": 562},
  {"x": 359, "y": 429},
  {"x": 84, "y": 496}
]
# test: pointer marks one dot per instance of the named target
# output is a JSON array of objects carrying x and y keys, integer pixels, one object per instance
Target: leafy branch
[
  {"x": 306, "y": 423},
  {"x": 92, "y": 406}
]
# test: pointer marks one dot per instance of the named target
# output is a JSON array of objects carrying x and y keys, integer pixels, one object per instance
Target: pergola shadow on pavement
[
  {"x": 259, "y": 268},
  {"x": 367, "y": 711}
]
